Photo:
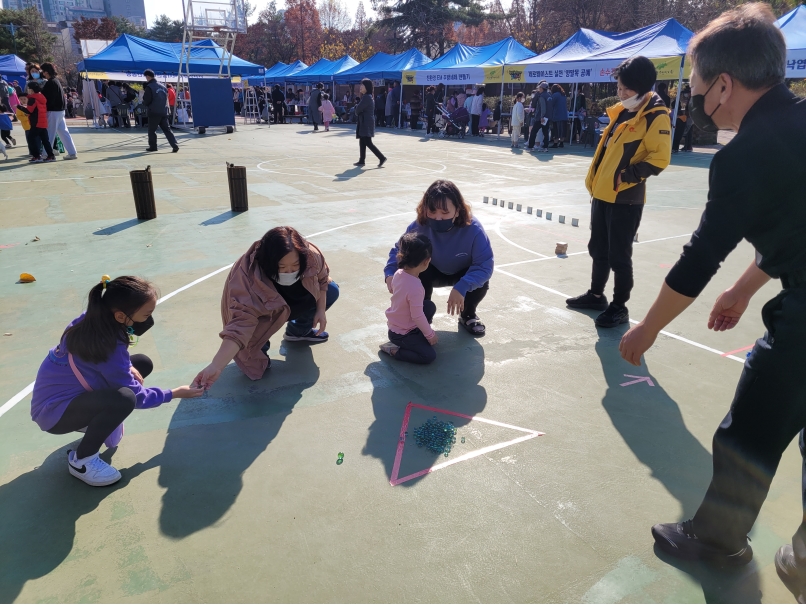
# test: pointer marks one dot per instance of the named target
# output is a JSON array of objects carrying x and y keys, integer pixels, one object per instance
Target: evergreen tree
[{"x": 165, "y": 30}]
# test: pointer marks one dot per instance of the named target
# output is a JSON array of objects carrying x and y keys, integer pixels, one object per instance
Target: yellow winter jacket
[{"x": 639, "y": 148}]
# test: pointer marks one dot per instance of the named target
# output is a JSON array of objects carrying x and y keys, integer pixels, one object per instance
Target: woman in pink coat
[{"x": 328, "y": 111}]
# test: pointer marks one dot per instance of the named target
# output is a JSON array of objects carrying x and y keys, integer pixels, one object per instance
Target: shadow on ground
[
  {"x": 651, "y": 424},
  {"x": 207, "y": 451},
  {"x": 40, "y": 509},
  {"x": 451, "y": 383}
]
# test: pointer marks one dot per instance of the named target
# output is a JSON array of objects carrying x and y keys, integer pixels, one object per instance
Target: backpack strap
[{"x": 78, "y": 375}]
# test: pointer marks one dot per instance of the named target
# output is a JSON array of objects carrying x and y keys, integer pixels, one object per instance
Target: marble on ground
[{"x": 238, "y": 497}]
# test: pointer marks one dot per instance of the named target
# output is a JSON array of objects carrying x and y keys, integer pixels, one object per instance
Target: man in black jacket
[
  {"x": 314, "y": 103},
  {"x": 155, "y": 98},
  {"x": 737, "y": 83},
  {"x": 278, "y": 102}
]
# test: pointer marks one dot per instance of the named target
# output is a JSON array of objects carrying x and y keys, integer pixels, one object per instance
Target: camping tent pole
[
  {"x": 677, "y": 97},
  {"x": 501, "y": 100},
  {"x": 574, "y": 119},
  {"x": 400, "y": 113}
]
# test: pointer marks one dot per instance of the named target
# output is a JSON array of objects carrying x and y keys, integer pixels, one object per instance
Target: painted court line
[
  {"x": 747, "y": 348},
  {"x": 27, "y": 390},
  {"x": 395, "y": 480},
  {"x": 633, "y": 321},
  {"x": 511, "y": 243},
  {"x": 535, "y": 260}
]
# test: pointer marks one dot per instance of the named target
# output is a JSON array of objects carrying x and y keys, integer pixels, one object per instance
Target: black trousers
[
  {"x": 162, "y": 122},
  {"x": 533, "y": 133},
  {"x": 613, "y": 229},
  {"x": 278, "y": 113},
  {"x": 559, "y": 130},
  {"x": 431, "y": 127},
  {"x": 679, "y": 133},
  {"x": 546, "y": 132},
  {"x": 414, "y": 347},
  {"x": 40, "y": 136},
  {"x": 474, "y": 124},
  {"x": 6, "y": 136},
  {"x": 434, "y": 278},
  {"x": 768, "y": 411},
  {"x": 101, "y": 412},
  {"x": 365, "y": 143}
]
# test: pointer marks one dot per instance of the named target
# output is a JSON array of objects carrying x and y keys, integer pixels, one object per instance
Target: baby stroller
[{"x": 455, "y": 122}]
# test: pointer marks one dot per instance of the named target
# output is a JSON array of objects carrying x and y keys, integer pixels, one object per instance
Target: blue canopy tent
[
  {"x": 382, "y": 66},
  {"x": 281, "y": 75},
  {"x": 322, "y": 70},
  {"x": 793, "y": 26},
  {"x": 469, "y": 64},
  {"x": 11, "y": 66},
  {"x": 591, "y": 56},
  {"x": 128, "y": 56}
]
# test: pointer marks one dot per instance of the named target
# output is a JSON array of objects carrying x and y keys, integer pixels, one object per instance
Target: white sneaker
[
  {"x": 71, "y": 157},
  {"x": 92, "y": 470}
]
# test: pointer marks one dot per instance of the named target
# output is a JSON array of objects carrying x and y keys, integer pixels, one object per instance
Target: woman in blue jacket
[
  {"x": 559, "y": 115},
  {"x": 462, "y": 256}
]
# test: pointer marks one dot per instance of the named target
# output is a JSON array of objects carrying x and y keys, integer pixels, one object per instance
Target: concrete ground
[{"x": 238, "y": 497}]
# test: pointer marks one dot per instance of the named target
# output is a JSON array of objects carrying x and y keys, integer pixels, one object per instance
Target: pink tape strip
[
  {"x": 738, "y": 350},
  {"x": 394, "y": 480}
]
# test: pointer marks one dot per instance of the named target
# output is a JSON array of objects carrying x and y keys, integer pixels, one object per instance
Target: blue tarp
[
  {"x": 506, "y": 51},
  {"x": 382, "y": 66},
  {"x": 793, "y": 26},
  {"x": 132, "y": 54},
  {"x": 279, "y": 75},
  {"x": 11, "y": 66},
  {"x": 322, "y": 70}
]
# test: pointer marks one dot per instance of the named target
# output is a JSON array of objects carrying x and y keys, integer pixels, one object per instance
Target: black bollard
[
  {"x": 143, "y": 190},
  {"x": 238, "y": 197}
]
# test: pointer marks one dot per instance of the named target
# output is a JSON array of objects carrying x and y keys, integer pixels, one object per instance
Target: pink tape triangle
[{"x": 395, "y": 480}]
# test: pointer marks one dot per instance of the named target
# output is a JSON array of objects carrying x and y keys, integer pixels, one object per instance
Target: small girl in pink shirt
[
  {"x": 409, "y": 317},
  {"x": 328, "y": 111}
]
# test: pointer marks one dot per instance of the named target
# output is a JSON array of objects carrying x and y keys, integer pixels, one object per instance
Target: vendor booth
[{"x": 793, "y": 26}]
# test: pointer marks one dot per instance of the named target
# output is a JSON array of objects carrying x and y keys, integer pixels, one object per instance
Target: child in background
[
  {"x": 328, "y": 111},
  {"x": 25, "y": 122},
  {"x": 90, "y": 384},
  {"x": 6, "y": 126},
  {"x": 484, "y": 118},
  {"x": 409, "y": 317},
  {"x": 517, "y": 120},
  {"x": 37, "y": 110}
]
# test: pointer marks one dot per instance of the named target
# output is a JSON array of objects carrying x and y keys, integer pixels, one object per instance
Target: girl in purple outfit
[{"x": 90, "y": 383}]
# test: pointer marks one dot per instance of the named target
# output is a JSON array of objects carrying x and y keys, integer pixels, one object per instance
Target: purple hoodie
[{"x": 56, "y": 385}]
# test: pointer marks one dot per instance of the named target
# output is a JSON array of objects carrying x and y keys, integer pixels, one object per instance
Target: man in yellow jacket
[{"x": 635, "y": 145}]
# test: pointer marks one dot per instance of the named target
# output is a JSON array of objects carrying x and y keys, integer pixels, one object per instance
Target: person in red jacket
[
  {"x": 37, "y": 110},
  {"x": 171, "y": 103}
]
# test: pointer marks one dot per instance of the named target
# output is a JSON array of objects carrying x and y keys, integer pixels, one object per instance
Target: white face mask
[
  {"x": 287, "y": 279},
  {"x": 633, "y": 103}
]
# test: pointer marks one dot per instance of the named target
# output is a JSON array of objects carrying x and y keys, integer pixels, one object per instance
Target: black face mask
[
  {"x": 696, "y": 108},
  {"x": 138, "y": 328}
]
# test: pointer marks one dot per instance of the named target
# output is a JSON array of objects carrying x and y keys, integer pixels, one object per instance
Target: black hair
[
  {"x": 480, "y": 91},
  {"x": 35, "y": 86},
  {"x": 49, "y": 69},
  {"x": 637, "y": 73},
  {"x": 98, "y": 334},
  {"x": 367, "y": 85},
  {"x": 412, "y": 250},
  {"x": 275, "y": 245},
  {"x": 326, "y": 96},
  {"x": 484, "y": 106},
  {"x": 148, "y": 73}
]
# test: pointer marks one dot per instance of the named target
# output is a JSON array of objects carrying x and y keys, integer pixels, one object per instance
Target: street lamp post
[{"x": 13, "y": 27}]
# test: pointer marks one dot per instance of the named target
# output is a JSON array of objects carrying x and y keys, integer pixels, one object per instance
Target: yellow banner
[
  {"x": 668, "y": 67},
  {"x": 513, "y": 75},
  {"x": 409, "y": 77},
  {"x": 493, "y": 74}
]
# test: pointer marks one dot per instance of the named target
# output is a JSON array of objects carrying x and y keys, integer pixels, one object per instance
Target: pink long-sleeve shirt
[{"x": 406, "y": 312}]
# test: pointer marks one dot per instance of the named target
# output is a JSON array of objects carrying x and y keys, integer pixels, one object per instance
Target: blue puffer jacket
[{"x": 560, "y": 107}]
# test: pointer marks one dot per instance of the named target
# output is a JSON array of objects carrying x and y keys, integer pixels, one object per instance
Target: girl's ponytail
[
  {"x": 96, "y": 336},
  {"x": 413, "y": 249}
]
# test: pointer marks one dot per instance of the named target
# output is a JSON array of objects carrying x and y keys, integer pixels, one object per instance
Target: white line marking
[
  {"x": 16, "y": 399},
  {"x": 27, "y": 390},
  {"x": 536, "y": 260},
  {"x": 511, "y": 243},
  {"x": 664, "y": 332}
]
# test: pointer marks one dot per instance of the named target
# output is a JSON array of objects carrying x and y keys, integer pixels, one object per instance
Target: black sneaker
[
  {"x": 150, "y": 149},
  {"x": 310, "y": 336},
  {"x": 679, "y": 540},
  {"x": 793, "y": 578},
  {"x": 588, "y": 301},
  {"x": 358, "y": 164},
  {"x": 381, "y": 163},
  {"x": 613, "y": 316}
]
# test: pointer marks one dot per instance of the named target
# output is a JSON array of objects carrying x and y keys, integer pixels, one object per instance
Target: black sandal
[{"x": 473, "y": 325}]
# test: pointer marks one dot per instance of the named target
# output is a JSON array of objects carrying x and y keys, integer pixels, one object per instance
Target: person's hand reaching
[
  {"x": 456, "y": 302},
  {"x": 187, "y": 392},
  {"x": 727, "y": 311}
]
